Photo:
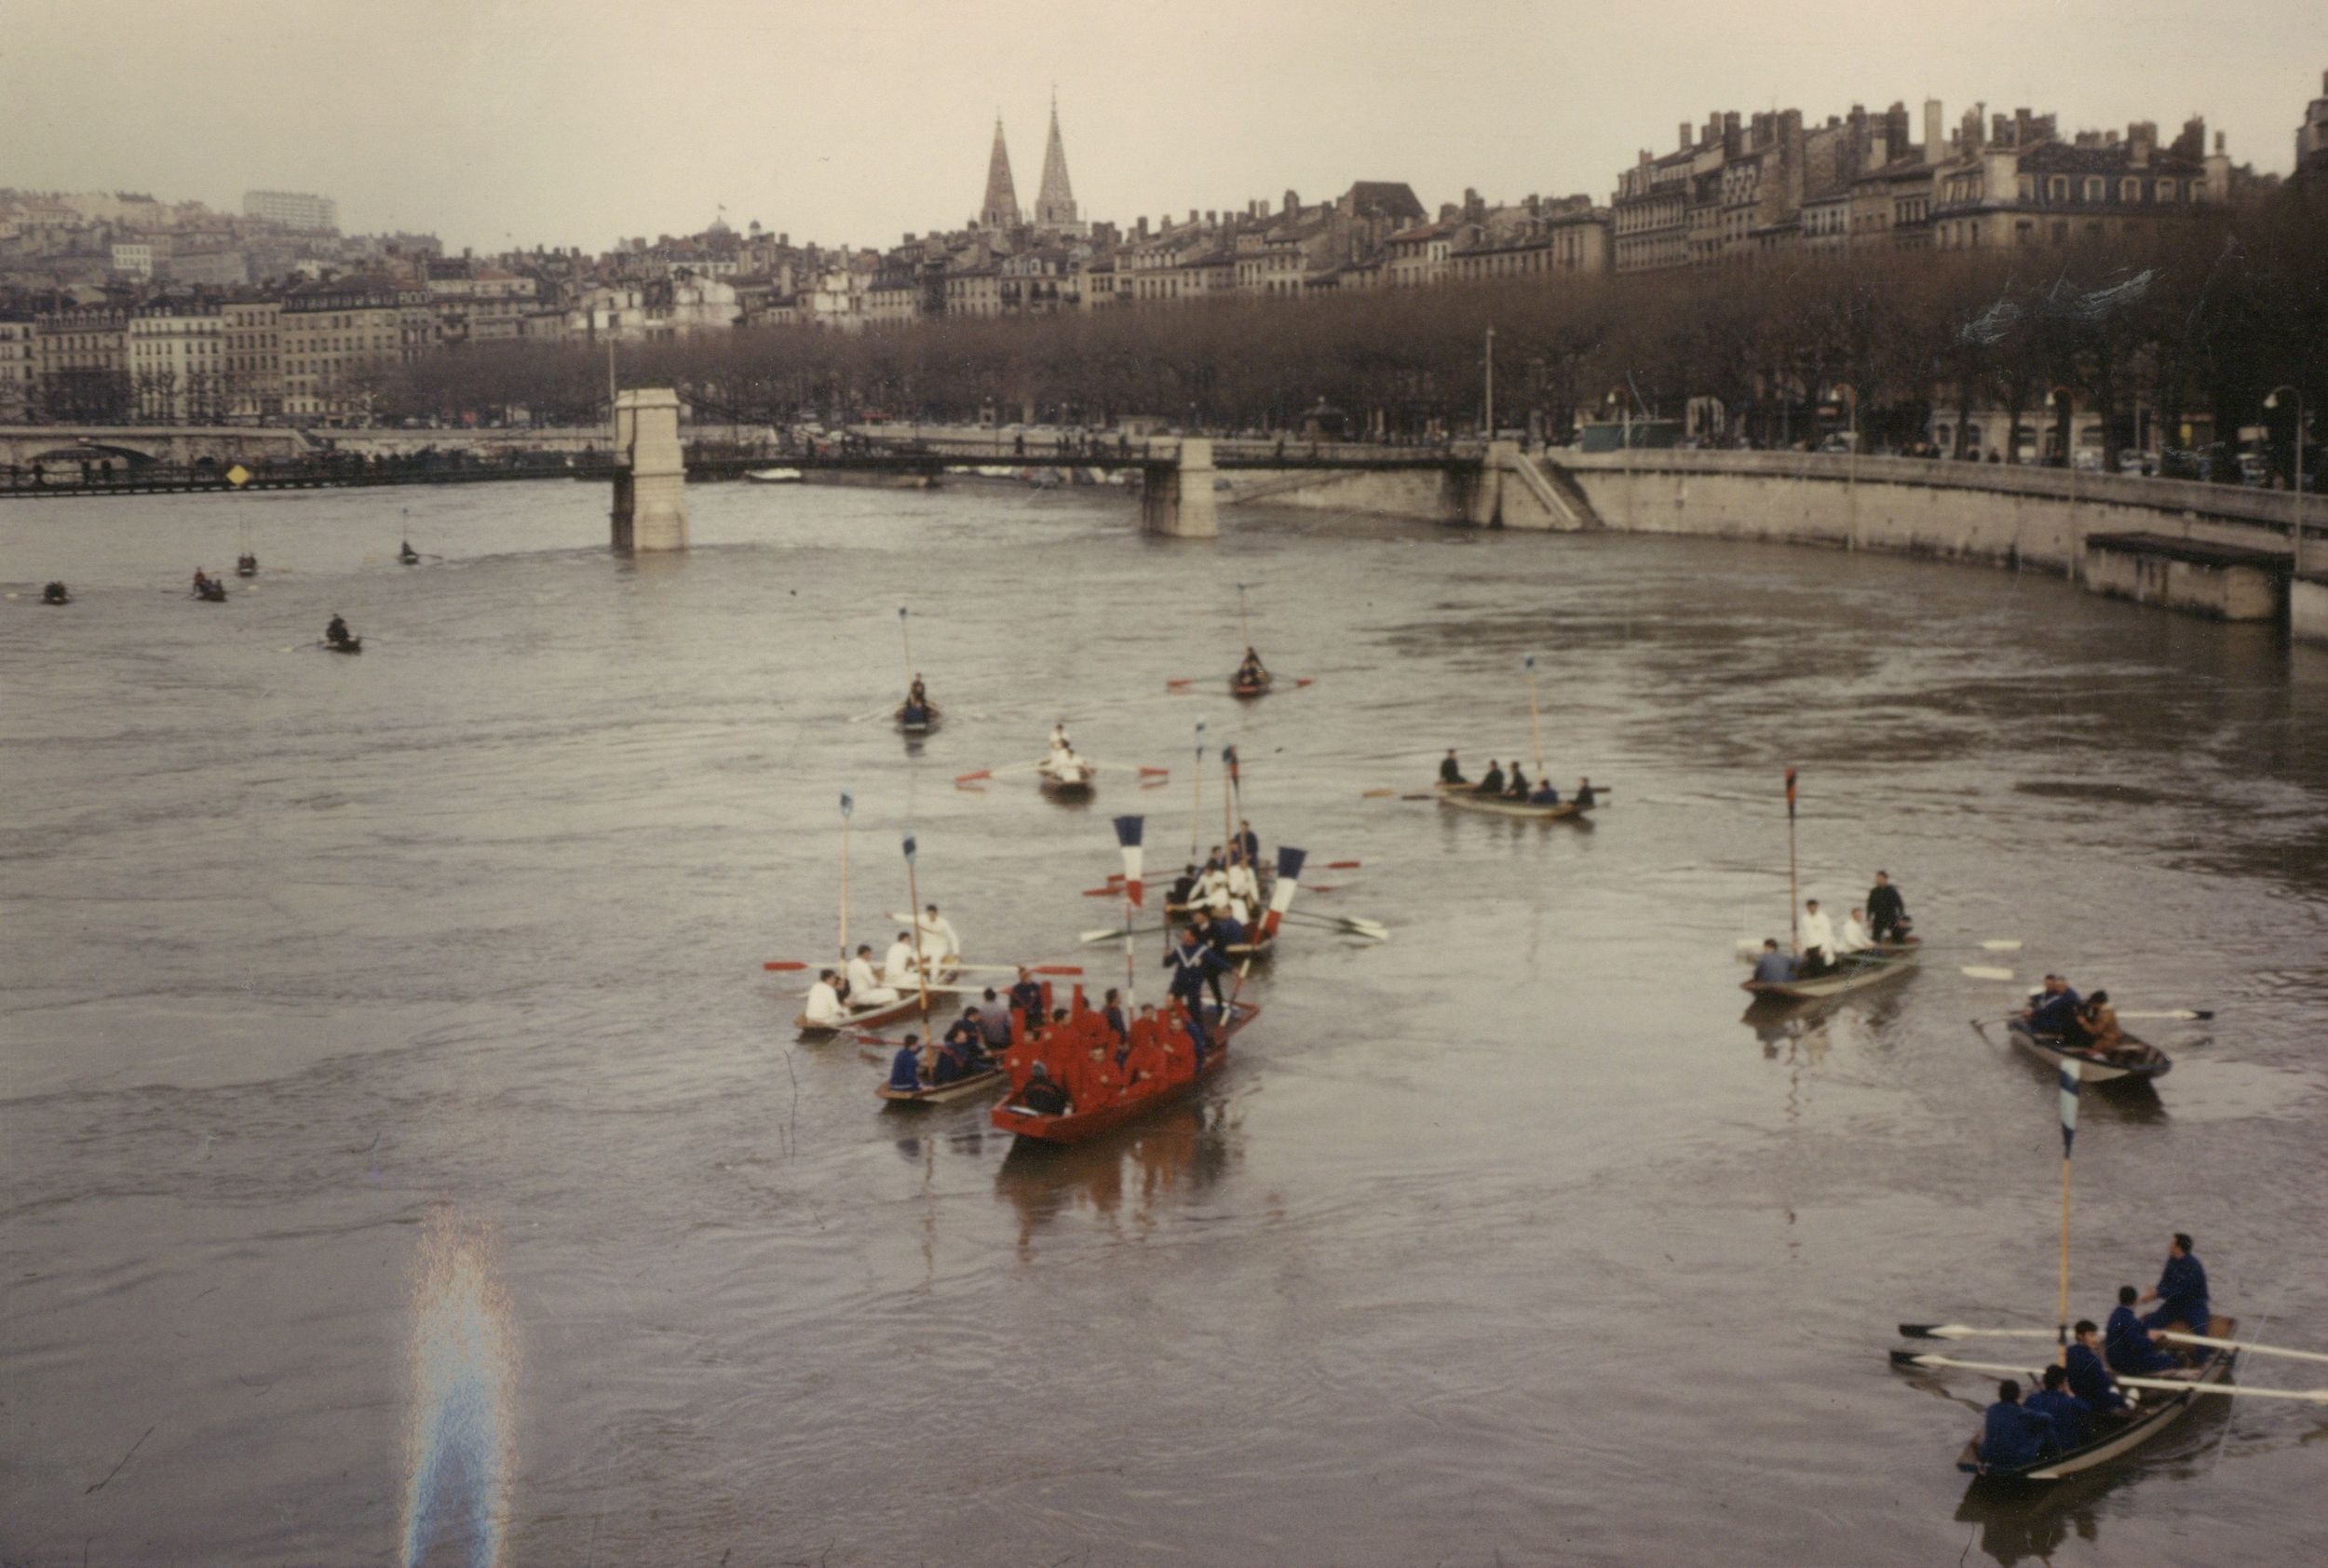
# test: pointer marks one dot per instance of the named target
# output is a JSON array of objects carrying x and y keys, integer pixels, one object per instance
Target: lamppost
[{"x": 2296, "y": 534}]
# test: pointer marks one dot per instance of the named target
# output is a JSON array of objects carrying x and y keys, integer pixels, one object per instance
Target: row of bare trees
[{"x": 2204, "y": 319}]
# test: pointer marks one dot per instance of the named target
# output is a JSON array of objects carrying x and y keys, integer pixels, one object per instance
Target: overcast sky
[{"x": 503, "y": 122}]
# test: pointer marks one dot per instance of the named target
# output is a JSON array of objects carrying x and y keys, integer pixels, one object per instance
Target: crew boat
[{"x": 1541, "y": 803}]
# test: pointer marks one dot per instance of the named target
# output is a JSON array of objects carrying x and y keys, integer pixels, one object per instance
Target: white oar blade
[
  {"x": 1986, "y": 972},
  {"x": 2309, "y": 1396},
  {"x": 2183, "y": 1015},
  {"x": 1965, "y": 1330},
  {"x": 2000, "y": 945},
  {"x": 2241, "y": 1344}
]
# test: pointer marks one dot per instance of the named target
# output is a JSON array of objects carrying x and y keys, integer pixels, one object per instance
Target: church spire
[
  {"x": 1055, "y": 207},
  {"x": 1001, "y": 207}
]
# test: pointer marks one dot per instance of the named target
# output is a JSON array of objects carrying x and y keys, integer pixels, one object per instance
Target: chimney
[
  {"x": 1878, "y": 151},
  {"x": 1933, "y": 137},
  {"x": 1685, "y": 137}
]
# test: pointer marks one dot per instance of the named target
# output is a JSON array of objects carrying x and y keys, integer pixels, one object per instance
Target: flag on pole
[
  {"x": 1128, "y": 835},
  {"x": 1528, "y": 663},
  {"x": 1790, "y": 794},
  {"x": 2073, "y": 1079},
  {"x": 1288, "y": 883},
  {"x": 847, "y": 803},
  {"x": 909, "y": 847}
]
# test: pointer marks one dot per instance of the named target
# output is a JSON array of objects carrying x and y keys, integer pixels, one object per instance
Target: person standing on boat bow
[
  {"x": 2182, "y": 1293},
  {"x": 940, "y": 939},
  {"x": 1886, "y": 911},
  {"x": 1818, "y": 940},
  {"x": 1451, "y": 771},
  {"x": 1192, "y": 963}
]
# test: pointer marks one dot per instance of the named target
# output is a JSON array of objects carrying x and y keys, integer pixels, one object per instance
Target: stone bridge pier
[
  {"x": 650, "y": 472},
  {"x": 1176, "y": 493}
]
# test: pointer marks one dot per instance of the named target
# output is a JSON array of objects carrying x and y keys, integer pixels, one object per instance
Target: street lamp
[{"x": 2296, "y": 535}]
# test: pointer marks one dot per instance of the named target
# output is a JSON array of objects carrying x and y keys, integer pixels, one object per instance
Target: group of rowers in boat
[
  {"x": 1060, "y": 1059},
  {"x": 917, "y": 707},
  {"x": 1882, "y": 922},
  {"x": 2081, "y": 1396},
  {"x": 1227, "y": 887},
  {"x": 1250, "y": 671},
  {"x": 857, "y": 989},
  {"x": 2079, "y": 1023},
  {"x": 208, "y": 586},
  {"x": 1494, "y": 785}
]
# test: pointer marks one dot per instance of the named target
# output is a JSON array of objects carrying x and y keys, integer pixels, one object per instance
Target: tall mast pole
[
  {"x": 1535, "y": 718},
  {"x": 1794, "y": 914},
  {"x": 1490, "y": 389},
  {"x": 847, "y": 805},
  {"x": 914, "y": 913}
]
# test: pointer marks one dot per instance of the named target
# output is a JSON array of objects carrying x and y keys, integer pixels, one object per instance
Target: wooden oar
[
  {"x": 1113, "y": 933},
  {"x": 1961, "y": 1331},
  {"x": 1022, "y": 968},
  {"x": 2183, "y": 1014},
  {"x": 2181, "y": 1338},
  {"x": 1985, "y": 972},
  {"x": 783, "y": 964},
  {"x": 2160, "y": 1384}
]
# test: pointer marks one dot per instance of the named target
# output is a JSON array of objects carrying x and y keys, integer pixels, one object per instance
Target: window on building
[
  {"x": 2093, "y": 187},
  {"x": 2057, "y": 188}
]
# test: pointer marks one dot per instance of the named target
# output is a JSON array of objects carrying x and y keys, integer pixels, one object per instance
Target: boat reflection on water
[
  {"x": 2031, "y": 1521},
  {"x": 1803, "y": 1025},
  {"x": 1125, "y": 1178}
]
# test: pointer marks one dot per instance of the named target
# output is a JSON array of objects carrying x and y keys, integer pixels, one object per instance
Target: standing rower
[
  {"x": 939, "y": 940},
  {"x": 1886, "y": 911}
]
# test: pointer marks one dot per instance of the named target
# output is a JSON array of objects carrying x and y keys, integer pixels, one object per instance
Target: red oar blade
[
  {"x": 1183, "y": 681},
  {"x": 1342, "y": 865},
  {"x": 967, "y": 777},
  {"x": 783, "y": 964},
  {"x": 1104, "y": 892},
  {"x": 1155, "y": 773},
  {"x": 1054, "y": 969},
  {"x": 1304, "y": 681}
]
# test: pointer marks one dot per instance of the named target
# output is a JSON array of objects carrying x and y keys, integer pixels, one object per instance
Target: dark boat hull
[
  {"x": 2118, "y": 1438},
  {"x": 2140, "y": 1060},
  {"x": 353, "y": 645}
]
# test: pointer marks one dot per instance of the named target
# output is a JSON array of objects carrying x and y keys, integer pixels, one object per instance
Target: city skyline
[{"x": 884, "y": 127}]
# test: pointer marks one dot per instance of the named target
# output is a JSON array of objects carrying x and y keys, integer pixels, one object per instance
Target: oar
[
  {"x": 783, "y": 964},
  {"x": 1961, "y": 1331},
  {"x": 2182, "y": 1338},
  {"x": 1111, "y": 933},
  {"x": 1342, "y": 865},
  {"x": 1026, "y": 968},
  {"x": 2160, "y": 1384},
  {"x": 1985, "y": 971},
  {"x": 881, "y": 712},
  {"x": 2183, "y": 1014}
]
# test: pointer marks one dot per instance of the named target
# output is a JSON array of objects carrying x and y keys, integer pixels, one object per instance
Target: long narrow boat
[
  {"x": 1858, "y": 969},
  {"x": 1500, "y": 805},
  {"x": 906, "y": 1006},
  {"x": 2114, "y": 1438},
  {"x": 2134, "y": 1059},
  {"x": 943, "y": 1094},
  {"x": 1076, "y": 1127}
]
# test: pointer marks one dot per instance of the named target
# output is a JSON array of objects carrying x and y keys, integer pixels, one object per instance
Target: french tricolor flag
[
  {"x": 1128, "y": 835},
  {"x": 1289, "y": 883}
]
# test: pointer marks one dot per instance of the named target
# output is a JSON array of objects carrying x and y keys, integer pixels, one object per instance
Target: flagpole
[
  {"x": 906, "y": 634},
  {"x": 846, "y": 806},
  {"x": 1196, "y": 803},
  {"x": 1535, "y": 718},
  {"x": 2072, "y": 1079},
  {"x": 914, "y": 913},
  {"x": 1793, "y": 910},
  {"x": 1128, "y": 832}
]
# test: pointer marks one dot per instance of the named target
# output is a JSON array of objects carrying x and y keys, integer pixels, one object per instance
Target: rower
[
  {"x": 995, "y": 1019},
  {"x": 1518, "y": 788},
  {"x": 1886, "y": 911},
  {"x": 1250, "y": 670},
  {"x": 1059, "y": 741},
  {"x": 336, "y": 633},
  {"x": 1184, "y": 887},
  {"x": 941, "y": 941},
  {"x": 1212, "y": 889},
  {"x": 864, "y": 989},
  {"x": 2068, "y": 1414},
  {"x": 2012, "y": 1435},
  {"x": 953, "y": 1061},
  {"x": 1546, "y": 793},
  {"x": 1856, "y": 939},
  {"x": 1491, "y": 782},
  {"x": 1818, "y": 940},
  {"x": 408, "y": 555},
  {"x": 1244, "y": 888},
  {"x": 1248, "y": 843},
  {"x": 2090, "y": 1376},
  {"x": 201, "y": 580},
  {"x": 969, "y": 1036},
  {"x": 1042, "y": 1096},
  {"x": 900, "y": 968},
  {"x": 2097, "y": 1025},
  {"x": 1773, "y": 967},
  {"x": 1451, "y": 771},
  {"x": 1586, "y": 799},
  {"x": 2127, "y": 1345},
  {"x": 824, "y": 1001},
  {"x": 905, "y": 1068},
  {"x": 2182, "y": 1293},
  {"x": 2052, "y": 1011},
  {"x": 56, "y": 593}
]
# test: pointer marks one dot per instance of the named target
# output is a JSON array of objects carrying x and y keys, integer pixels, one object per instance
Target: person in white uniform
[
  {"x": 1819, "y": 945},
  {"x": 864, "y": 989},
  {"x": 898, "y": 968},
  {"x": 1244, "y": 890},
  {"x": 824, "y": 1001},
  {"x": 1855, "y": 937},
  {"x": 939, "y": 940}
]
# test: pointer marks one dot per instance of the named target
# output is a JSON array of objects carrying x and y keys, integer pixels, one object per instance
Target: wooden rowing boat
[
  {"x": 2114, "y": 1438},
  {"x": 1066, "y": 780},
  {"x": 1502, "y": 806},
  {"x": 1856, "y": 970},
  {"x": 1077, "y": 1126},
  {"x": 1245, "y": 690},
  {"x": 931, "y": 717},
  {"x": 909, "y": 1002},
  {"x": 2135, "y": 1058},
  {"x": 943, "y": 1094}
]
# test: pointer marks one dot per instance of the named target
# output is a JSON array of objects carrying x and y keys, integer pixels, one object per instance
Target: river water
[{"x": 375, "y": 1024}]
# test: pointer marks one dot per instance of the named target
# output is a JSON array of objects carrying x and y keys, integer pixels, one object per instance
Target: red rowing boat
[{"x": 1078, "y": 1053}]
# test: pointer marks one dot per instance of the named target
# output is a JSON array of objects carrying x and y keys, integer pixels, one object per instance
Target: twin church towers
[{"x": 1054, "y": 207}]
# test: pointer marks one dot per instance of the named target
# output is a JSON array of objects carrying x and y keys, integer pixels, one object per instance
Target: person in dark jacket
[
  {"x": 2071, "y": 1416},
  {"x": 2013, "y": 1437},
  {"x": 2182, "y": 1293},
  {"x": 1887, "y": 910},
  {"x": 2127, "y": 1344},
  {"x": 2089, "y": 1377}
]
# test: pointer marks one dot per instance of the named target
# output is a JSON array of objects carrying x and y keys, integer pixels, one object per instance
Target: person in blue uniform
[
  {"x": 2054, "y": 1010},
  {"x": 1113, "y": 1012},
  {"x": 1192, "y": 964},
  {"x": 1547, "y": 793},
  {"x": 2182, "y": 1293},
  {"x": 968, "y": 1038},
  {"x": 952, "y": 1065},
  {"x": 1250, "y": 842},
  {"x": 1026, "y": 998},
  {"x": 2089, "y": 1377},
  {"x": 2127, "y": 1345},
  {"x": 2012, "y": 1435},
  {"x": 905, "y": 1068},
  {"x": 1773, "y": 967},
  {"x": 2070, "y": 1415}
]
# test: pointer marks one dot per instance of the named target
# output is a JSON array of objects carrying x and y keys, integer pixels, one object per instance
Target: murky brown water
[{"x": 1507, "y": 1241}]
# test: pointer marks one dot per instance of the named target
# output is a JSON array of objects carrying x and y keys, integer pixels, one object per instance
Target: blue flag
[
  {"x": 2073, "y": 1079},
  {"x": 1128, "y": 830},
  {"x": 1289, "y": 862},
  {"x": 908, "y": 847},
  {"x": 847, "y": 805}
]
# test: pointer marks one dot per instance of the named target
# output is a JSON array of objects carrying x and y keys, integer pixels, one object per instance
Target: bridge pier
[
  {"x": 649, "y": 511},
  {"x": 1176, "y": 497}
]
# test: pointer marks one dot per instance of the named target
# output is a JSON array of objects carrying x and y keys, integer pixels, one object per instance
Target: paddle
[
  {"x": 2181, "y": 1338},
  {"x": 1960, "y": 1330},
  {"x": 1985, "y": 972},
  {"x": 2164, "y": 1385},
  {"x": 1113, "y": 933},
  {"x": 2183, "y": 1014}
]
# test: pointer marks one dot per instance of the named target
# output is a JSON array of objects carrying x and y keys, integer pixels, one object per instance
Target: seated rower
[
  {"x": 905, "y": 1067},
  {"x": 902, "y": 967},
  {"x": 1491, "y": 783},
  {"x": 1518, "y": 788},
  {"x": 1184, "y": 888},
  {"x": 953, "y": 1061},
  {"x": 994, "y": 1019},
  {"x": 969, "y": 1036},
  {"x": 2097, "y": 1025},
  {"x": 2090, "y": 1376},
  {"x": 2182, "y": 1293},
  {"x": 1451, "y": 771},
  {"x": 2070, "y": 1415},
  {"x": 1252, "y": 669},
  {"x": 2013, "y": 1437},
  {"x": 864, "y": 989},
  {"x": 1856, "y": 939},
  {"x": 336, "y": 632},
  {"x": 2052, "y": 1010},
  {"x": 1773, "y": 967},
  {"x": 1819, "y": 945},
  {"x": 1546, "y": 793},
  {"x": 2127, "y": 1345},
  {"x": 824, "y": 1001},
  {"x": 56, "y": 593},
  {"x": 1041, "y": 1095},
  {"x": 1586, "y": 799}
]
